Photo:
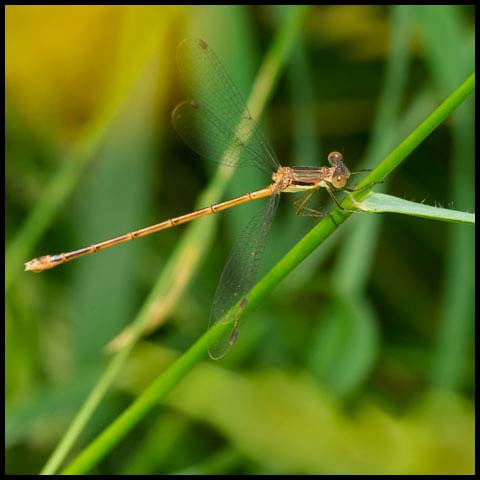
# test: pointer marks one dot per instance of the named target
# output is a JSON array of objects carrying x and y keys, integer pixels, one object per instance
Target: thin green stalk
[
  {"x": 64, "y": 181},
  {"x": 199, "y": 235},
  {"x": 262, "y": 89},
  {"x": 355, "y": 256},
  {"x": 52, "y": 198},
  {"x": 155, "y": 392},
  {"x": 448, "y": 44},
  {"x": 140, "y": 407},
  {"x": 398, "y": 155}
]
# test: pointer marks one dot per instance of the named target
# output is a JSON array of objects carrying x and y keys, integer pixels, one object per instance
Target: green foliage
[{"x": 357, "y": 341}]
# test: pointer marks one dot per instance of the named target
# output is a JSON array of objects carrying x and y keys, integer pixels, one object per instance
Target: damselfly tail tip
[
  {"x": 43, "y": 263},
  {"x": 35, "y": 265}
]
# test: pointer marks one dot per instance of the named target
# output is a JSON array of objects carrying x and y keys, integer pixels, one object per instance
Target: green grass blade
[
  {"x": 202, "y": 229},
  {"x": 143, "y": 404},
  {"x": 351, "y": 330},
  {"x": 412, "y": 141},
  {"x": 352, "y": 266},
  {"x": 346, "y": 345},
  {"x": 199, "y": 235},
  {"x": 380, "y": 202},
  {"x": 68, "y": 174},
  {"x": 448, "y": 40},
  {"x": 157, "y": 390}
]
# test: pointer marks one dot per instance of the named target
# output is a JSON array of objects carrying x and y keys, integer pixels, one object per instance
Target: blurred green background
[{"x": 361, "y": 361}]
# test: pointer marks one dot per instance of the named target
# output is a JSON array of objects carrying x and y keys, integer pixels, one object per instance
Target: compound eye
[
  {"x": 339, "y": 180},
  {"x": 335, "y": 158}
]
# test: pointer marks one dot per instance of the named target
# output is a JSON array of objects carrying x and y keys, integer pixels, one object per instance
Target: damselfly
[{"x": 217, "y": 125}]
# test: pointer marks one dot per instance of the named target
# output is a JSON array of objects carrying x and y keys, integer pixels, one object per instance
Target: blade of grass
[
  {"x": 316, "y": 361},
  {"x": 344, "y": 369},
  {"x": 198, "y": 231},
  {"x": 379, "y": 202},
  {"x": 346, "y": 345},
  {"x": 398, "y": 155},
  {"x": 68, "y": 174},
  {"x": 165, "y": 382},
  {"x": 449, "y": 52},
  {"x": 164, "y": 435},
  {"x": 324, "y": 228},
  {"x": 306, "y": 150},
  {"x": 352, "y": 265},
  {"x": 199, "y": 235},
  {"x": 221, "y": 462}
]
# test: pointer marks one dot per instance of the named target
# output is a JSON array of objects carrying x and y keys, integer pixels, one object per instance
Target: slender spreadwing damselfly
[{"x": 217, "y": 125}]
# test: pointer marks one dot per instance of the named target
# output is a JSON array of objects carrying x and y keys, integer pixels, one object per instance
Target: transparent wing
[
  {"x": 217, "y": 117},
  {"x": 238, "y": 276}
]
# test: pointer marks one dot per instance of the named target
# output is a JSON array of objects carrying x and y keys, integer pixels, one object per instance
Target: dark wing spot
[{"x": 202, "y": 43}]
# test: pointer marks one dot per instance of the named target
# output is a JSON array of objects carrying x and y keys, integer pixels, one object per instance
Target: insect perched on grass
[{"x": 218, "y": 125}]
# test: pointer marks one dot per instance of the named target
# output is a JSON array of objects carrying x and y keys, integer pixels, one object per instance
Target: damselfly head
[{"x": 342, "y": 173}]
